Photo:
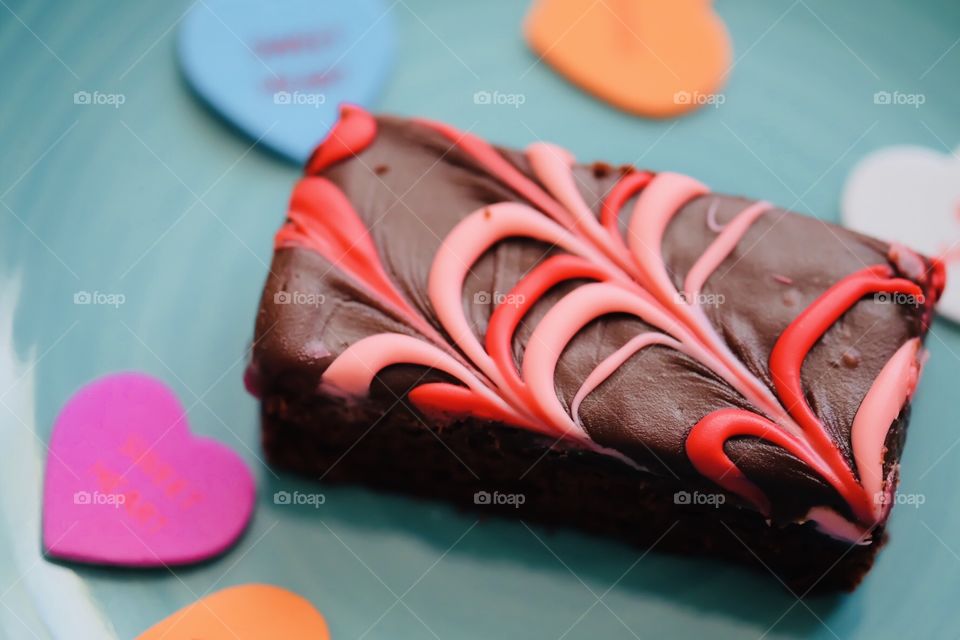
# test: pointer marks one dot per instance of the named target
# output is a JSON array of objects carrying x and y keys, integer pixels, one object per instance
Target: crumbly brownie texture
[{"x": 633, "y": 354}]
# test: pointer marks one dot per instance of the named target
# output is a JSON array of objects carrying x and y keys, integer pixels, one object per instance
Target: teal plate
[{"x": 159, "y": 201}]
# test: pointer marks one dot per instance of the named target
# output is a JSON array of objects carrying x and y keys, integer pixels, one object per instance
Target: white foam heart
[{"x": 910, "y": 195}]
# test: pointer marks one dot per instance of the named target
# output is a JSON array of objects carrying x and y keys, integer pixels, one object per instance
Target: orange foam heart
[
  {"x": 245, "y": 612},
  {"x": 651, "y": 57}
]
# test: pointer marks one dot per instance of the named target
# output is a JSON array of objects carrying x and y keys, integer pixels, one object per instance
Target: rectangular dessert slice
[{"x": 629, "y": 352}]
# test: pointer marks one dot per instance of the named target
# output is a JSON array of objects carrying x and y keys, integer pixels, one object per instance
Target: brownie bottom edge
[{"x": 481, "y": 466}]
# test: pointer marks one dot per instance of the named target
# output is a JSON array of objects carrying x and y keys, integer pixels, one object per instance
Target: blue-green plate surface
[{"x": 159, "y": 201}]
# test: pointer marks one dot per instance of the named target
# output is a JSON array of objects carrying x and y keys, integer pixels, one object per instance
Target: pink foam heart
[{"x": 128, "y": 484}]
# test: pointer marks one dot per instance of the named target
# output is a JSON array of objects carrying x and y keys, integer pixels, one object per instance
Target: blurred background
[{"x": 150, "y": 197}]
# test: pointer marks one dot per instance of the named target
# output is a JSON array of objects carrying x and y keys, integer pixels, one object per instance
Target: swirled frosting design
[{"x": 606, "y": 260}]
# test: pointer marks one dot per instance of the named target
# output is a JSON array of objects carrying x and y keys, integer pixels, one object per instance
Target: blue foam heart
[{"x": 280, "y": 69}]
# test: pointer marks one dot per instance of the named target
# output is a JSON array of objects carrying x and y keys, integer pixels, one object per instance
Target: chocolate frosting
[{"x": 410, "y": 185}]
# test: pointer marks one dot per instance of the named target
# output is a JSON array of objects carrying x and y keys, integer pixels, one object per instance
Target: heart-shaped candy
[
  {"x": 245, "y": 612},
  {"x": 651, "y": 57},
  {"x": 128, "y": 484},
  {"x": 279, "y": 70},
  {"x": 911, "y": 195}
]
